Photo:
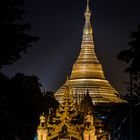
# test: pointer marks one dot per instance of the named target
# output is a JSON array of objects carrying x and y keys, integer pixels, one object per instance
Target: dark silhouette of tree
[
  {"x": 21, "y": 103},
  {"x": 14, "y": 40},
  {"x": 21, "y": 98},
  {"x": 132, "y": 57},
  {"x": 52, "y": 102},
  {"x": 22, "y": 86},
  {"x": 3, "y": 85}
]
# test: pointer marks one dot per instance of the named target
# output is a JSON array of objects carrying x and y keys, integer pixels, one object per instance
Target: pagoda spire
[
  {"x": 87, "y": 4},
  {"x": 87, "y": 28},
  {"x": 87, "y": 65}
]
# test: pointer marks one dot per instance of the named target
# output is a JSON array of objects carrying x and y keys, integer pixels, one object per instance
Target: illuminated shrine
[
  {"x": 72, "y": 121},
  {"x": 76, "y": 117},
  {"x": 87, "y": 72}
]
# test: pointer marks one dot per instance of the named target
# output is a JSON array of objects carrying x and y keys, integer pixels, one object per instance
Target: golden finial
[
  {"x": 87, "y": 28},
  {"x": 67, "y": 80},
  {"x": 87, "y": 12},
  {"x": 42, "y": 118},
  {"x": 67, "y": 77},
  {"x": 87, "y": 5}
]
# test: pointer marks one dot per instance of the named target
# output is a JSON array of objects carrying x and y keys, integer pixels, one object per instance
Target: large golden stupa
[
  {"x": 87, "y": 72},
  {"x": 79, "y": 119}
]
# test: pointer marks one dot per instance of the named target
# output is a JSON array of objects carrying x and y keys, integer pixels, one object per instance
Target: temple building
[
  {"x": 76, "y": 118},
  {"x": 87, "y": 72},
  {"x": 72, "y": 121}
]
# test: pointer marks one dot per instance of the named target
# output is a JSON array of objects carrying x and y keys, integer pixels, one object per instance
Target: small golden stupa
[{"x": 87, "y": 72}]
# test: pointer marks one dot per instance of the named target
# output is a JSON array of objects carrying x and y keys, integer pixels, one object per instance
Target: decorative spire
[
  {"x": 87, "y": 5},
  {"x": 67, "y": 77},
  {"x": 67, "y": 80},
  {"x": 87, "y": 28},
  {"x": 87, "y": 64}
]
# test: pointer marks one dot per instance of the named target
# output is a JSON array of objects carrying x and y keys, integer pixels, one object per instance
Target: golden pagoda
[
  {"x": 76, "y": 117},
  {"x": 87, "y": 72}
]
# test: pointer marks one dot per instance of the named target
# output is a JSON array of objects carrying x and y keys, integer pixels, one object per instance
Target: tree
[
  {"x": 24, "y": 86},
  {"x": 132, "y": 57},
  {"x": 13, "y": 39},
  {"x": 21, "y": 103}
]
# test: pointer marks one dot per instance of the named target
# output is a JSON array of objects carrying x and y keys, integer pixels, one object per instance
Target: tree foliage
[
  {"x": 14, "y": 40},
  {"x": 22, "y": 86},
  {"x": 21, "y": 103},
  {"x": 132, "y": 57}
]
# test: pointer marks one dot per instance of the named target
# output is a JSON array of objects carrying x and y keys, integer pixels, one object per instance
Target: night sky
[{"x": 59, "y": 24}]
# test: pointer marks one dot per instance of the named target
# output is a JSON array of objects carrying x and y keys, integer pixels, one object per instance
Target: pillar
[
  {"x": 92, "y": 136},
  {"x": 39, "y": 137},
  {"x": 86, "y": 136},
  {"x": 45, "y": 135}
]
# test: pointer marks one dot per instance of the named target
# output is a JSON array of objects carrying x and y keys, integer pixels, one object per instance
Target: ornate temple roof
[
  {"x": 87, "y": 72},
  {"x": 72, "y": 121}
]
